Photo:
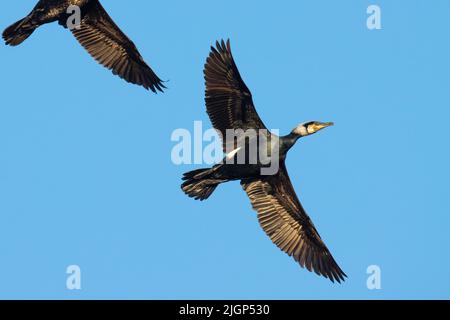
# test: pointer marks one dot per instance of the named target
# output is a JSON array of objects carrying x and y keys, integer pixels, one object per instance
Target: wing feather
[
  {"x": 284, "y": 220},
  {"x": 107, "y": 44},
  {"x": 228, "y": 100}
]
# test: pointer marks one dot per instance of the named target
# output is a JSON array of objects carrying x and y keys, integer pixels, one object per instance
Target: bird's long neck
[{"x": 287, "y": 142}]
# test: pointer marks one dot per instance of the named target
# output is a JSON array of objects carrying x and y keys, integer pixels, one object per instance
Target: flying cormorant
[
  {"x": 97, "y": 33},
  {"x": 230, "y": 107}
]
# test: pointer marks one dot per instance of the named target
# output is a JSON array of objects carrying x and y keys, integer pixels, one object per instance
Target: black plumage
[
  {"x": 230, "y": 105},
  {"x": 97, "y": 33}
]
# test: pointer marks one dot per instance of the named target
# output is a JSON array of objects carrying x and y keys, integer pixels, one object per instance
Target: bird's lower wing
[
  {"x": 283, "y": 219},
  {"x": 107, "y": 44}
]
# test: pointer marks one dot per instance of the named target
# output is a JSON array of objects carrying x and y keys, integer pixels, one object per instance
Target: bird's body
[
  {"x": 96, "y": 32},
  {"x": 47, "y": 11},
  {"x": 251, "y": 152}
]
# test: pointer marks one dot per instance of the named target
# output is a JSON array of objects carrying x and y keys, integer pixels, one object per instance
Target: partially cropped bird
[
  {"x": 96, "y": 32},
  {"x": 232, "y": 112}
]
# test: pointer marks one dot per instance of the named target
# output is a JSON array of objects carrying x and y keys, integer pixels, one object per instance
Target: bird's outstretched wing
[
  {"x": 107, "y": 44},
  {"x": 229, "y": 102},
  {"x": 283, "y": 218}
]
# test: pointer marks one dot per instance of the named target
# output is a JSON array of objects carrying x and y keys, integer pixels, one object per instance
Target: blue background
[{"x": 86, "y": 176}]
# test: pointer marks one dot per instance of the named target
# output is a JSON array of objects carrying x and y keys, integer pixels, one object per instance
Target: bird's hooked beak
[{"x": 317, "y": 126}]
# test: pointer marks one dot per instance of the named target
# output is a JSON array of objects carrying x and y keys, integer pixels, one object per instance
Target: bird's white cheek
[{"x": 302, "y": 131}]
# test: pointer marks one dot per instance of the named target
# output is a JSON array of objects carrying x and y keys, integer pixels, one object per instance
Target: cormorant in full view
[
  {"x": 230, "y": 107},
  {"x": 97, "y": 33}
]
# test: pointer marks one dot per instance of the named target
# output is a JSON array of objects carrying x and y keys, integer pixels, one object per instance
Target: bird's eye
[{"x": 309, "y": 124}]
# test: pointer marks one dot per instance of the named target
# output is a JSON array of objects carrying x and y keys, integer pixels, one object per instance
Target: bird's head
[{"x": 308, "y": 128}]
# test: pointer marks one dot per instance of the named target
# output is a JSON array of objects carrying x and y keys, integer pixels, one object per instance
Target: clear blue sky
[{"x": 86, "y": 176}]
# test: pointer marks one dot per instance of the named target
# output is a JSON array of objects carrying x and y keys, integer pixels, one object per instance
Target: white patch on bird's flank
[{"x": 231, "y": 155}]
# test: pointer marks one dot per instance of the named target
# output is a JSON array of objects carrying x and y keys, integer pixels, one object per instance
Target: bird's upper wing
[
  {"x": 229, "y": 102},
  {"x": 283, "y": 218},
  {"x": 107, "y": 44}
]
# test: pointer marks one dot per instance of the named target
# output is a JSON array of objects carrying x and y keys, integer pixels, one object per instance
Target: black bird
[
  {"x": 96, "y": 32},
  {"x": 230, "y": 106}
]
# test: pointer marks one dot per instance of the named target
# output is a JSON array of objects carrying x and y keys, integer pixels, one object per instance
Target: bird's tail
[
  {"x": 19, "y": 32},
  {"x": 200, "y": 184}
]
